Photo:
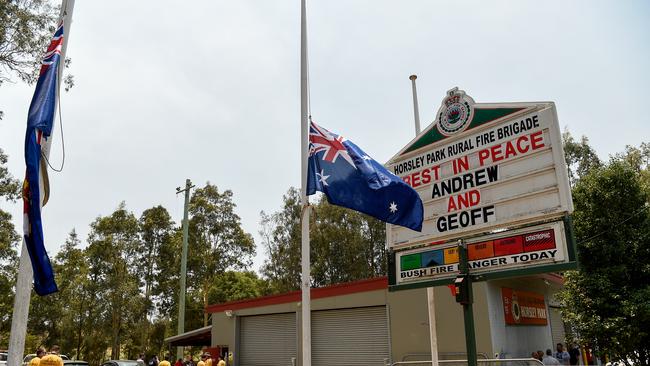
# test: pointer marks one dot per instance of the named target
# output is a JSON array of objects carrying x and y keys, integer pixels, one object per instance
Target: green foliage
[
  {"x": 233, "y": 286},
  {"x": 580, "y": 157},
  {"x": 607, "y": 300},
  {"x": 217, "y": 241},
  {"x": 345, "y": 245},
  {"x": 9, "y": 190}
]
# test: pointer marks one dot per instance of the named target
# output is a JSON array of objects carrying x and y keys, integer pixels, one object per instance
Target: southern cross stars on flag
[
  {"x": 40, "y": 121},
  {"x": 350, "y": 178}
]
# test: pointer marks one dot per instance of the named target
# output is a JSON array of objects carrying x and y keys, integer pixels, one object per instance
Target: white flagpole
[
  {"x": 431, "y": 301},
  {"x": 304, "y": 147},
  {"x": 25, "y": 273}
]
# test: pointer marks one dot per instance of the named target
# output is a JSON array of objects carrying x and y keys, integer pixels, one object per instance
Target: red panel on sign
[
  {"x": 539, "y": 241},
  {"x": 511, "y": 245},
  {"x": 480, "y": 250}
]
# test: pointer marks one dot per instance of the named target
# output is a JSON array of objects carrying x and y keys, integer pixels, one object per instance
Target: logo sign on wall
[
  {"x": 523, "y": 308},
  {"x": 483, "y": 166}
]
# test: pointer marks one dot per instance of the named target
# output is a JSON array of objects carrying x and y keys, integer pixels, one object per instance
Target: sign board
[
  {"x": 482, "y": 167},
  {"x": 536, "y": 245},
  {"x": 523, "y": 308}
]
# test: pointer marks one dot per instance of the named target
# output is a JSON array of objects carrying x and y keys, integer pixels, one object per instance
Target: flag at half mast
[
  {"x": 40, "y": 121},
  {"x": 350, "y": 178}
]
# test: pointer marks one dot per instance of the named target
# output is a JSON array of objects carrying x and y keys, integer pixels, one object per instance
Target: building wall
[
  {"x": 514, "y": 341},
  {"x": 409, "y": 324}
]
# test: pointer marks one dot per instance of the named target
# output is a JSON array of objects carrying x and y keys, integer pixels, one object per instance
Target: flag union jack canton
[
  {"x": 352, "y": 179},
  {"x": 40, "y": 121}
]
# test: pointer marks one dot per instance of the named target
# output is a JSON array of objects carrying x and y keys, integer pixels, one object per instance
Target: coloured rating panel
[{"x": 512, "y": 245}]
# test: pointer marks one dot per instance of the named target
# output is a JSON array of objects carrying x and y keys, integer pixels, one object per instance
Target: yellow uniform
[
  {"x": 201, "y": 363},
  {"x": 221, "y": 363},
  {"x": 51, "y": 360},
  {"x": 35, "y": 361},
  {"x": 208, "y": 362},
  {"x": 164, "y": 363}
]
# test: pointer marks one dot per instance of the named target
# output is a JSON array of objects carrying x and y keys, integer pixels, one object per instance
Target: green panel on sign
[
  {"x": 481, "y": 117},
  {"x": 411, "y": 261}
]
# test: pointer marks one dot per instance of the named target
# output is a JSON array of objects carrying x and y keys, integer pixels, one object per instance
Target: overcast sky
[{"x": 209, "y": 90}]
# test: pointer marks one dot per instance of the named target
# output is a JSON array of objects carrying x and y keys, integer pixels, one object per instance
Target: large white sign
[{"x": 483, "y": 167}]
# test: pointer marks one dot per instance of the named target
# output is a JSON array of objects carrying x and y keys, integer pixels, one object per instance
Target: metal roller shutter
[
  {"x": 557, "y": 326},
  {"x": 268, "y": 340},
  {"x": 356, "y": 336}
]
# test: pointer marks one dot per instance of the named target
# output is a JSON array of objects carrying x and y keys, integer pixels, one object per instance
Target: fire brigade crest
[{"x": 455, "y": 113}]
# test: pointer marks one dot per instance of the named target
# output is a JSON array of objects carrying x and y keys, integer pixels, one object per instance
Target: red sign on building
[{"x": 523, "y": 308}]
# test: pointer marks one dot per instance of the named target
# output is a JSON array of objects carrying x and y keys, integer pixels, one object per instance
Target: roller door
[
  {"x": 356, "y": 336},
  {"x": 557, "y": 326},
  {"x": 267, "y": 340}
]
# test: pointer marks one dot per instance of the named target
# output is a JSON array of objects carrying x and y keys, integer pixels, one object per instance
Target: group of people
[
  {"x": 44, "y": 358},
  {"x": 206, "y": 360},
  {"x": 561, "y": 357}
]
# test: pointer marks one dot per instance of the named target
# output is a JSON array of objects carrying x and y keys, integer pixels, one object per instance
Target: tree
[
  {"x": 26, "y": 27},
  {"x": 233, "y": 286},
  {"x": 112, "y": 246},
  {"x": 281, "y": 239},
  {"x": 606, "y": 300},
  {"x": 580, "y": 157},
  {"x": 217, "y": 241},
  {"x": 156, "y": 229},
  {"x": 9, "y": 190},
  {"x": 345, "y": 245}
]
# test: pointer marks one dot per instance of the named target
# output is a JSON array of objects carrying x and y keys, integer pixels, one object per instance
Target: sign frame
[{"x": 415, "y": 150}]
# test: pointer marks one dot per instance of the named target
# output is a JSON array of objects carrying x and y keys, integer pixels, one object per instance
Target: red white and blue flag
[
  {"x": 350, "y": 178},
  {"x": 40, "y": 121}
]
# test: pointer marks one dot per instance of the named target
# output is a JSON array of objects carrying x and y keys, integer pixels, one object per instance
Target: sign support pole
[{"x": 468, "y": 311}]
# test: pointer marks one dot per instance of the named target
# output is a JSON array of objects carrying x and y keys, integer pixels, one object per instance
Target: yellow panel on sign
[{"x": 451, "y": 255}]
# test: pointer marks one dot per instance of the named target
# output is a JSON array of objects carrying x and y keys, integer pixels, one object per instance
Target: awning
[{"x": 196, "y": 337}]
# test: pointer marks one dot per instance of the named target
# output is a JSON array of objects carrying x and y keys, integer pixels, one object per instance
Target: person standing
[
  {"x": 153, "y": 361},
  {"x": 574, "y": 354},
  {"x": 179, "y": 362},
  {"x": 140, "y": 359},
  {"x": 40, "y": 352},
  {"x": 165, "y": 362},
  {"x": 562, "y": 355},
  {"x": 221, "y": 362},
  {"x": 51, "y": 360},
  {"x": 202, "y": 362},
  {"x": 549, "y": 360}
]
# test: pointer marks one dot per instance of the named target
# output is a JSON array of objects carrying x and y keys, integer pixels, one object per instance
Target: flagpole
[
  {"x": 431, "y": 301},
  {"x": 25, "y": 271},
  {"x": 304, "y": 147}
]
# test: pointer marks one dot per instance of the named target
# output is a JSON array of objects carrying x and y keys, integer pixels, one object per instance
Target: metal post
[
  {"x": 416, "y": 109},
  {"x": 181, "y": 296},
  {"x": 468, "y": 311},
  {"x": 305, "y": 285}
]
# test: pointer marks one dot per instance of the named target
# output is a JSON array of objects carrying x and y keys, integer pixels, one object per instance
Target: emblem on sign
[{"x": 456, "y": 112}]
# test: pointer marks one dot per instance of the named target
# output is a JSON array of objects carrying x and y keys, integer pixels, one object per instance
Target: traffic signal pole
[{"x": 468, "y": 311}]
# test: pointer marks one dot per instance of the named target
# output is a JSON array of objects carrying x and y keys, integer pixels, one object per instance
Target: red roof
[{"x": 379, "y": 283}]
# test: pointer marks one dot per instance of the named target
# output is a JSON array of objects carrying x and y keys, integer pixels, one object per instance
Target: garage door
[
  {"x": 267, "y": 340},
  {"x": 557, "y": 326},
  {"x": 356, "y": 336}
]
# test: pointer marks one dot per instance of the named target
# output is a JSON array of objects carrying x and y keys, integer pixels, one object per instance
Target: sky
[{"x": 210, "y": 90}]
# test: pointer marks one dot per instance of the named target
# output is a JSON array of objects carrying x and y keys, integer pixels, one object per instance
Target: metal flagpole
[
  {"x": 416, "y": 109},
  {"x": 304, "y": 147},
  {"x": 25, "y": 272},
  {"x": 431, "y": 303}
]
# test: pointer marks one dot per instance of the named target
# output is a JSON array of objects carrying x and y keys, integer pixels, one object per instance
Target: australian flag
[
  {"x": 352, "y": 179},
  {"x": 40, "y": 121}
]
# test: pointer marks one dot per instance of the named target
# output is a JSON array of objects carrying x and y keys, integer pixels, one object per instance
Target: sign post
[{"x": 468, "y": 310}]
